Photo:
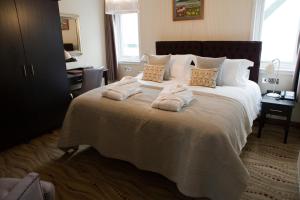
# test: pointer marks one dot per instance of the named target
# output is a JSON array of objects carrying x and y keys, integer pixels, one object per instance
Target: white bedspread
[{"x": 198, "y": 148}]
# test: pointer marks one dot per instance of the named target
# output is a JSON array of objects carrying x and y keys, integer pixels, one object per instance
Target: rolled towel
[
  {"x": 126, "y": 87},
  {"x": 173, "y": 98}
]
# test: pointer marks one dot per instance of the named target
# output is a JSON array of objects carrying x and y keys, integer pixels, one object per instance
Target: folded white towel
[
  {"x": 125, "y": 81},
  {"x": 173, "y": 98},
  {"x": 122, "y": 89}
]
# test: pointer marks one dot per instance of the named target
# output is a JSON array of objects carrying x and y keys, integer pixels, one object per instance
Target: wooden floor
[{"x": 88, "y": 175}]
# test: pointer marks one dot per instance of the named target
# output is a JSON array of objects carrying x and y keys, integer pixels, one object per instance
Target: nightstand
[{"x": 278, "y": 107}]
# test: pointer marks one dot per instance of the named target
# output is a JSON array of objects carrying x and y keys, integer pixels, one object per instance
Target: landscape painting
[{"x": 188, "y": 9}]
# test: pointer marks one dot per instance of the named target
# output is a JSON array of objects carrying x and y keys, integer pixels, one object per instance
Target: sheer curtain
[
  {"x": 297, "y": 73},
  {"x": 121, "y": 6},
  {"x": 113, "y": 7}
]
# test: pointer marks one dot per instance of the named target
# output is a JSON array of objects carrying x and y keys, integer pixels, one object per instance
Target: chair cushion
[
  {"x": 28, "y": 188},
  {"x": 48, "y": 190},
  {"x": 6, "y": 185}
]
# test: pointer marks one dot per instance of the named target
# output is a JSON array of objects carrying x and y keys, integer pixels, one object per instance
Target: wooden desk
[{"x": 75, "y": 76}]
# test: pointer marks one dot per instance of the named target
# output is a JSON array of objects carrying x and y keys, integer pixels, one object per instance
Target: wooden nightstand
[{"x": 278, "y": 107}]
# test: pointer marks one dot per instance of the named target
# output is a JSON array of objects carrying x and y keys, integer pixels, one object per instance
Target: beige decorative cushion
[
  {"x": 209, "y": 63},
  {"x": 154, "y": 73},
  {"x": 204, "y": 77},
  {"x": 161, "y": 60}
]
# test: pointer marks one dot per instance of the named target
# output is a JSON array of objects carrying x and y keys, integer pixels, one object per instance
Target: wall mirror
[{"x": 71, "y": 33}]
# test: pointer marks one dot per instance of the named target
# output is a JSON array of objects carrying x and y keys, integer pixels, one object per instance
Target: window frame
[
  {"x": 257, "y": 28},
  {"x": 118, "y": 40}
]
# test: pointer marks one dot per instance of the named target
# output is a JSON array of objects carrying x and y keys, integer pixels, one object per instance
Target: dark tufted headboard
[{"x": 250, "y": 50}]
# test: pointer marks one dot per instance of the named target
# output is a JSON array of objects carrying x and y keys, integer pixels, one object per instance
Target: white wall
[
  {"x": 91, "y": 18},
  {"x": 223, "y": 20}
]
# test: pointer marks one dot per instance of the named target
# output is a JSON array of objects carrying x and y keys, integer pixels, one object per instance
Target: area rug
[{"x": 88, "y": 175}]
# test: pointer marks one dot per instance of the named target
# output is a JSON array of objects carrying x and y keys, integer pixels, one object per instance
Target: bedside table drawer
[{"x": 276, "y": 109}]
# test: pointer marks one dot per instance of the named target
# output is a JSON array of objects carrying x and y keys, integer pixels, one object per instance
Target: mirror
[{"x": 71, "y": 34}]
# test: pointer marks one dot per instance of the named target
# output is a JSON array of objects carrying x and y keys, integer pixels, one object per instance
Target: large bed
[{"x": 198, "y": 148}]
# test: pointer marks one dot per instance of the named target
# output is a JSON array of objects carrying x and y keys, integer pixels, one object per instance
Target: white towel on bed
[
  {"x": 123, "y": 89},
  {"x": 173, "y": 98}
]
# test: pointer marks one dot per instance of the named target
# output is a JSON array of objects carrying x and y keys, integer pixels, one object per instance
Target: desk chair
[{"x": 91, "y": 79}]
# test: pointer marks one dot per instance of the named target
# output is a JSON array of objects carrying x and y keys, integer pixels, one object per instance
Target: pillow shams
[
  {"x": 154, "y": 73},
  {"x": 234, "y": 72},
  {"x": 180, "y": 69}
]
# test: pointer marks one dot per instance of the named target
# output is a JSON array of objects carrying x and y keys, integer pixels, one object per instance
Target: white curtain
[
  {"x": 297, "y": 72},
  {"x": 121, "y": 6},
  {"x": 257, "y": 19}
]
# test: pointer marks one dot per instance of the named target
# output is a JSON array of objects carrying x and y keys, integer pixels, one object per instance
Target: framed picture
[
  {"x": 188, "y": 9},
  {"x": 64, "y": 23}
]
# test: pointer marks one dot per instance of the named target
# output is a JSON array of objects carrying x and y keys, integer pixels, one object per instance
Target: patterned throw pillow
[
  {"x": 161, "y": 60},
  {"x": 209, "y": 63},
  {"x": 154, "y": 73},
  {"x": 204, "y": 77}
]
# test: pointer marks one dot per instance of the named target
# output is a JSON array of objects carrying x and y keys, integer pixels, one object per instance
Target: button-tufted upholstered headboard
[{"x": 250, "y": 50}]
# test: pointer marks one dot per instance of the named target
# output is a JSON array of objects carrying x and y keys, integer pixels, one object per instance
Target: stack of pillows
[{"x": 208, "y": 72}]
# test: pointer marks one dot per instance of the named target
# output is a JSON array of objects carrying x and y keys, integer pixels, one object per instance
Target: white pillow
[
  {"x": 180, "y": 66},
  {"x": 234, "y": 72}
]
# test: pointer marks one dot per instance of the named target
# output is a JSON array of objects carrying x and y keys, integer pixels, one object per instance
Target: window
[
  {"x": 278, "y": 30},
  {"x": 127, "y": 33}
]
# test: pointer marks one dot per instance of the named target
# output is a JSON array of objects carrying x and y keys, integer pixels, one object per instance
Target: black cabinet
[{"x": 34, "y": 85}]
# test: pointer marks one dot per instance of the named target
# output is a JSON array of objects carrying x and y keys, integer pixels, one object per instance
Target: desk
[{"x": 75, "y": 75}]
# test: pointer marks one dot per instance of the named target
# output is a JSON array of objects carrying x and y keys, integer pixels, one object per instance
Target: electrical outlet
[
  {"x": 273, "y": 81},
  {"x": 270, "y": 80},
  {"x": 264, "y": 80},
  {"x": 128, "y": 69}
]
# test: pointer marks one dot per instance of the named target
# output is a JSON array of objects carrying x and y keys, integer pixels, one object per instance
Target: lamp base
[{"x": 274, "y": 95}]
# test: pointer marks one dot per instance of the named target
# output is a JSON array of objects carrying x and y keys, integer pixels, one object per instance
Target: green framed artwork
[{"x": 188, "y": 9}]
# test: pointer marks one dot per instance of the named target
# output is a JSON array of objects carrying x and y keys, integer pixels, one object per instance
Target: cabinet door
[
  {"x": 12, "y": 76},
  {"x": 42, "y": 38}
]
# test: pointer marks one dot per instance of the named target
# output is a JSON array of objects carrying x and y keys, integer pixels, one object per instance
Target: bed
[{"x": 197, "y": 148}]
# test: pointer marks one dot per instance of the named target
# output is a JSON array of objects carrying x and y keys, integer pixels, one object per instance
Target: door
[
  {"x": 13, "y": 76},
  {"x": 42, "y": 38}
]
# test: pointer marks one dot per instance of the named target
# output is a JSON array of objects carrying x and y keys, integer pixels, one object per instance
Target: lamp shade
[
  {"x": 121, "y": 6},
  {"x": 270, "y": 69},
  {"x": 144, "y": 58}
]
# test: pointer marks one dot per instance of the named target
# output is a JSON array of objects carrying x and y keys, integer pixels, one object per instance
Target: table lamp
[
  {"x": 273, "y": 69},
  {"x": 144, "y": 59}
]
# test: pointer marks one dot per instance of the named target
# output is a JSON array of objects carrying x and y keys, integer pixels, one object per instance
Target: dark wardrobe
[{"x": 34, "y": 87}]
